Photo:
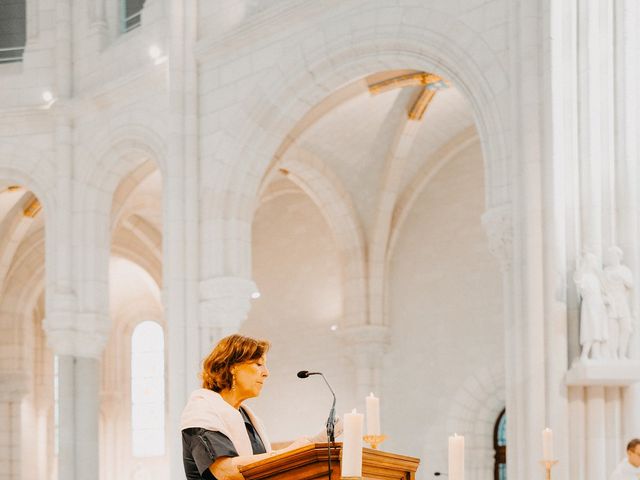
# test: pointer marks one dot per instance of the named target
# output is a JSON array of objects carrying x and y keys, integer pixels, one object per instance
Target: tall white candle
[
  {"x": 547, "y": 444},
  {"x": 373, "y": 414},
  {"x": 456, "y": 457},
  {"x": 352, "y": 445}
]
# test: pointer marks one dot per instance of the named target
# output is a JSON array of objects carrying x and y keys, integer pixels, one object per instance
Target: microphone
[{"x": 331, "y": 421}]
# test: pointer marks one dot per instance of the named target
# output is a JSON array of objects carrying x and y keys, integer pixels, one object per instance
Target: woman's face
[{"x": 250, "y": 377}]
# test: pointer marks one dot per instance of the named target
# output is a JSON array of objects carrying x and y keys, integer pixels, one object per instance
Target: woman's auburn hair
[{"x": 232, "y": 350}]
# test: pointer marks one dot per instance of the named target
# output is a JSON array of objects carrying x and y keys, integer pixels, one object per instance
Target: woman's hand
[
  {"x": 321, "y": 436},
  {"x": 225, "y": 468}
]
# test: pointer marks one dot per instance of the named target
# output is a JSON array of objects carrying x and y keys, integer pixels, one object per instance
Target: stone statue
[
  {"x": 618, "y": 284},
  {"x": 593, "y": 311}
]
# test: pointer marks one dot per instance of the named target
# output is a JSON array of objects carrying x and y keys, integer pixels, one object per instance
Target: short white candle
[
  {"x": 373, "y": 414},
  {"x": 456, "y": 457},
  {"x": 352, "y": 445},
  {"x": 547, "y": 445}
]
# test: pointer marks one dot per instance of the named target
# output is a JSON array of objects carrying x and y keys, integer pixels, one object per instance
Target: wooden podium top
[{"x": 310, "y": 462}]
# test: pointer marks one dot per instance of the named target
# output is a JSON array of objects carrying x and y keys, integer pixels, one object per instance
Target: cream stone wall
[
  {"x": 445, "y": 301},
  {"x": 165, "y": 160},
  {"x": 298, "y": 272}
]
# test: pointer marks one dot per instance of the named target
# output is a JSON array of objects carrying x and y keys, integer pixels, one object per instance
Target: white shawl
[
  {"x": 207, "y": 409},
  {"x": 625, "y": 471}
]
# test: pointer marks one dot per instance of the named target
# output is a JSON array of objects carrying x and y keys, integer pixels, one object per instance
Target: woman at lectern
[{"x": 219, "y": 433}]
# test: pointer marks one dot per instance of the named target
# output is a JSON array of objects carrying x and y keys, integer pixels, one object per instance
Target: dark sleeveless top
[{"x": 201, "y": 447}]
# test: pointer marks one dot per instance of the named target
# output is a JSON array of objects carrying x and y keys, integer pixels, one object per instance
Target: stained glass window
[
  {"x": 500, "y": 447},
  {"x": 147, "y": 390}
]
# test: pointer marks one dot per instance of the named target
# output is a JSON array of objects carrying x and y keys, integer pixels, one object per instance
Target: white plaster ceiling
[
  {"x": 8, "y": 199},
  {"x": 354, "y": 138}
]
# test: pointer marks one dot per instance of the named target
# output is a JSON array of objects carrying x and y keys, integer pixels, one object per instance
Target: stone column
[
  {"x": 78, "y": 340},
  {"x": 596, "y": 46},
  {"x": 98, "y": 32},
  {"x": 181, "y": 242},
  {"x": 498, "y": 226},
  {"x": 367, "y": 346},
  {"x": 627, "y": 102},
  {"x": 14, "y": 386}
]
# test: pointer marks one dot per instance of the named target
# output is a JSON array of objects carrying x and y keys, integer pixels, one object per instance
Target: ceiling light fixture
[{"x": 155, "y": 52}]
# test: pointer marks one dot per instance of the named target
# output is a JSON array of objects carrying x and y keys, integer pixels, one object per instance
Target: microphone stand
[{"x": 331, "y": 423}]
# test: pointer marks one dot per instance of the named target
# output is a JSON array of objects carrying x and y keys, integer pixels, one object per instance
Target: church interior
[{"x": 429, "y": 200}]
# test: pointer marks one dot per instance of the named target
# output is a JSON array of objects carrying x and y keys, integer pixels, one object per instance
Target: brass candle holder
[
  {"x": 374, "y": 440},
  {"x": 548, "y": 465}
]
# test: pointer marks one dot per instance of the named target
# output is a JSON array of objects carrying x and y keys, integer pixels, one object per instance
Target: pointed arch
[
  {"x": 335, "y": 204},
  {"x": 284, "y": 94}
]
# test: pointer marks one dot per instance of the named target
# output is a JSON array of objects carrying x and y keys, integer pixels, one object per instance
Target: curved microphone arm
[{"x": 331, "y": 421}]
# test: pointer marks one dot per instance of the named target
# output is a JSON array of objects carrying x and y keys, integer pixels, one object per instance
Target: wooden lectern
[{"x": 310, "y": 462}]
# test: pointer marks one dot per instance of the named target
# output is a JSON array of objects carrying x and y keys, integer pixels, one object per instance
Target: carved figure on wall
[
  {"x": 618, "y": 284},
  {"x": 593, "y": 311}
]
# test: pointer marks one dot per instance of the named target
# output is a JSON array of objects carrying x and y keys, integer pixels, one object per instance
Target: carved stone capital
[
  {"x": 79, "y": 335},
  {"x": 498, "y": 226},
  {"x": 225, "y": 301}
]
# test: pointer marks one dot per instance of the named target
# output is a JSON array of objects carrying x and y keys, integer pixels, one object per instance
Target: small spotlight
[
  {"x": 255, "y": 295},
  {"x": 155, "y": 52},
  {"x": 333, "y": 328},
  {"x": 47, "y": 96}
]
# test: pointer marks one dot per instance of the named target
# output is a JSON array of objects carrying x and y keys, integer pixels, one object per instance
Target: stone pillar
[
  {"x": 607, "y": 52},
  {"x": 367, "y": 346},
  {"x": 498, "y": 226},
  {"x": 182, "y": 242},
  {"x": 98, "y": 32},
  {"x": 14, "y": 386},
  {"x": 596, "y": 459},
  {"x": 627, "y": 102},
  {"x": 78, "y": 340}
]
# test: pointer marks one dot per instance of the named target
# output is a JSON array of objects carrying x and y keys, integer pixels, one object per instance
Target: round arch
[{"x": 473, "y": 413}]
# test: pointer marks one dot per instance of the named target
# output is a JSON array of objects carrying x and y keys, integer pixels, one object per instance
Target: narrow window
[
  {"x": 147, "y": 390},
  {"x": 13, "y": 27},
  {"x": 131, "y": 13},
  {"x": 500, "y": 447}
]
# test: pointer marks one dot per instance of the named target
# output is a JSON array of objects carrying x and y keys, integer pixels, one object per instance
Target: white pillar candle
[
  {"x": 456, "y": 457},
  {"x": 547, "y": 444},
  {"x": 352, "y": 445},
  {"x": 373, "y": 414}
]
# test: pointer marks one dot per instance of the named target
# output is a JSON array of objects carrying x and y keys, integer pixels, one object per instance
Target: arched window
[
  {"x": 130, "y": 14},
  {"x": 13, "y": 27},
  {"x": 500, "y": 447},
  {"x": 147, "y": 390}
]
